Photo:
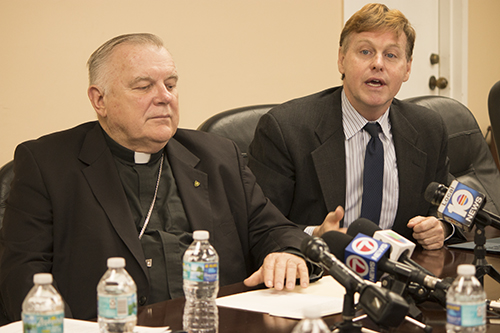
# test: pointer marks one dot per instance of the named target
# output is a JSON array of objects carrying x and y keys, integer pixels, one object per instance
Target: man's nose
[
  {"x": 163, "y": 95},
  {"x": 378, "y": 62}
]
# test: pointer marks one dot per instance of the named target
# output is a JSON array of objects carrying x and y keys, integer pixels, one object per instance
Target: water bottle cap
[
  {"x": 116, "y": 262},
  {"x": 466, "y": 269},
  {"x": 42, "y": 278},
  {"x": 201, "y": 235}
]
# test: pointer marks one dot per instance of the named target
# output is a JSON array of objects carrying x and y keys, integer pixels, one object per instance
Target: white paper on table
[
  {"x": 326, "y": 294},
  {"x": 81, "y": 326}
]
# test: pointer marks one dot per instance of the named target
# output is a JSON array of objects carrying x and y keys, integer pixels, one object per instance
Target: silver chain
[{"x": 146, "y": 221}]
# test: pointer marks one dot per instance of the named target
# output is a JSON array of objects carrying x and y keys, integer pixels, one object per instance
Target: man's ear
[
  {"x": 96, "y": 96},
  {"x": 340, "y": 61}
]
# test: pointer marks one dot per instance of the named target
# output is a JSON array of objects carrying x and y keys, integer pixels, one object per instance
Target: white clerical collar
[{"x": 141, "y": 158}]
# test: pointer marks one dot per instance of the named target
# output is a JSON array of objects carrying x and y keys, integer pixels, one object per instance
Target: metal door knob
[{"x": 441, "y": 83}]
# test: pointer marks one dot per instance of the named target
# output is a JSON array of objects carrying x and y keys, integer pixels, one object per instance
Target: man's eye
[
  {"x": 143, "y": 87},
  {"x": 391, "y": 55},
  {"x": 365, "y": 52}
]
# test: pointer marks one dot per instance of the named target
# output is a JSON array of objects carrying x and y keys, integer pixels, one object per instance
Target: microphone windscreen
[
  {"x": 304, "y": 244},
  {"x": 430, "y": 192},
  {"x": 363, "y": 226},
  {"x": 337, "y": 242}
]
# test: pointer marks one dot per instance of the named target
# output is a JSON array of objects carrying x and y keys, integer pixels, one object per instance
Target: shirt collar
[
  {"x": 353, "y": 122},
  {"x": 129, "y": 156}
]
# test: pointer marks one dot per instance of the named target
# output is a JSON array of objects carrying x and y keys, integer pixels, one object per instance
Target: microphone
[
  {"x": 458, "y": 204},
  {"x": 317, "y": 250},
  {"x": 365, "y": 255},
  {"x": 401, "y": 248},
  {"x": 384, "y": 307}
]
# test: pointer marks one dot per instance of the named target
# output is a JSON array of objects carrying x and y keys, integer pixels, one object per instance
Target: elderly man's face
[{"x": 141, "y": 108}]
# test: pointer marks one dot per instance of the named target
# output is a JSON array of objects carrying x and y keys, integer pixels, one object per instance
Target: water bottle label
[
  {"x": 200, "y": 271},
  {"x": 46, "y": 323},
  {"x": 117, "y": 306},
  {"x": 466, "y": 314}
]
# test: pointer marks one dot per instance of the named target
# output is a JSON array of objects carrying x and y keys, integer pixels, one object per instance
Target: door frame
[{"x": 453, "y": 47}]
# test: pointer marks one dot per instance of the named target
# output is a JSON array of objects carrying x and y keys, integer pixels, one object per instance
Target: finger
[
  {"x": 339, "y": 212},
  {"x": 433, "y": 246},
  {"x": 279, "y": 270},
  {"x": 415, "y": 221},
  {"x": 268, "y": 270},
  {"x": 291, "y": 274},
  {"x": 303, "y": 273},
  {"x": 254, "y": 279},
  {"x": 430, "y": 241}
]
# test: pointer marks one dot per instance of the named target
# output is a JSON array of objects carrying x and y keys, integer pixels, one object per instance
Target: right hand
[{"x": 331, "y": 222}]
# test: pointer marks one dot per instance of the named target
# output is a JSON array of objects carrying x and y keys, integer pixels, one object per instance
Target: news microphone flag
[
  {"x": 363, "y": 254},
  {"x": 460, "y": 204},
  {"x": 399, "y": 244}
]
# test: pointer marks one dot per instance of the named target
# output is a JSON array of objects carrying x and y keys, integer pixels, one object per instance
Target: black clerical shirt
[{"x": 168, "y": 233}]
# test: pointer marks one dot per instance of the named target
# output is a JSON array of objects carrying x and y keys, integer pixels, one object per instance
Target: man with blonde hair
[
  {"x": 308, "y": 154},
  {"x": 133, "y": 185}
]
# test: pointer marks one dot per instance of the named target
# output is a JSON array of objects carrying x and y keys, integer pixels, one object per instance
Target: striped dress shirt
[{"x": 356, "y": 140}]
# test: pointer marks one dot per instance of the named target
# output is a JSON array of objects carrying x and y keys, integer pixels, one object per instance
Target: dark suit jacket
[
  {"x": 298, "y": 157},
  {"x": 67, "y": 213}
]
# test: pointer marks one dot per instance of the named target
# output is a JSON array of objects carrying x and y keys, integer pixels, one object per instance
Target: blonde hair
[
  {"x": 378, "y": 17},
  {"x": 98, "y": 59}
]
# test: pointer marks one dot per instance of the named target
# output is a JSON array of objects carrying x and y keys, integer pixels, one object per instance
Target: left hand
[
  {"x": 278, "y": 268},
  {"x": 428, "y": 231}
]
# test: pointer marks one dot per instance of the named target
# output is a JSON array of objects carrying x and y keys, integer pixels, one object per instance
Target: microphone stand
[
  {"x": 482, "y": 266},
  {"x": 348, "y": 314}
]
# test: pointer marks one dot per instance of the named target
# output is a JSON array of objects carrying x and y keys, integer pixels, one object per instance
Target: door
[{"x": 441, "y": 27}]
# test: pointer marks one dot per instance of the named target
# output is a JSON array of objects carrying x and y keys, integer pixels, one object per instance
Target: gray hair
[{"x": 98, "y": 59}]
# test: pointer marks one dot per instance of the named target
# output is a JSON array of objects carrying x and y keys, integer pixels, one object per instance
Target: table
[{"x": 442, "y": 263}]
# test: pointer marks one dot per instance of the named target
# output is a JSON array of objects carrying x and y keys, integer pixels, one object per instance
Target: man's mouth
[{"x": 375, "y": 83}]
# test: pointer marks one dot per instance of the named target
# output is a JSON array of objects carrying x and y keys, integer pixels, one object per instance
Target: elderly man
[
  {"x": 309, "y": 154},
  {"x": 134, "y": 185}
]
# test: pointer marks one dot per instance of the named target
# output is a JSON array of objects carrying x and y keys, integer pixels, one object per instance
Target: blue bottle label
[
  {"x": 200, "y": 271},
  {"x": 121, "y": 306},
  {"x": 467, "y": 315},
  {"x": 46, "y": 323}
]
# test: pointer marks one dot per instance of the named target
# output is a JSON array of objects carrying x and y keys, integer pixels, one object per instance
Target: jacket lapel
[
  {"x": 328, "y": 158},
  {"x": 411, "y": 161},
  {"x": 104, "y": 181},
  {"x": 192, "y": 185}
]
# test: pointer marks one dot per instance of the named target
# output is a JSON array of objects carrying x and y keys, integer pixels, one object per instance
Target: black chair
[
  {"x": 494, "y": 113},
  {"x": 6, "y": 176},
  {"x": 237, "y": 124},
  {"x": 471, "y": 162}
]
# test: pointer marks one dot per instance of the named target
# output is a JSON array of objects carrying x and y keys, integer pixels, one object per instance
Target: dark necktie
[{"x": 373, "y": 175}]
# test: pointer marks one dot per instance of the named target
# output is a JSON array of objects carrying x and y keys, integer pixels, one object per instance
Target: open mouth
[{"x": 375, "y": 83}]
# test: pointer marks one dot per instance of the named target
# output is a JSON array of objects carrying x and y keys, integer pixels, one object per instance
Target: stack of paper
[{"x": 326, "y": 294}]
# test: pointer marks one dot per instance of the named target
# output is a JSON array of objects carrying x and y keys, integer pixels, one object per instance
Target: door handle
[{"x": 441, "y": 83}]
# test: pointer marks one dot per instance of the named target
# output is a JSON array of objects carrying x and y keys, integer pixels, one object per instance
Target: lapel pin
[{"x": 196, "y": 183}]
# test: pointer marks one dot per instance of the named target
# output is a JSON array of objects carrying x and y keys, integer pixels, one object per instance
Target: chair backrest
[
  {"x": 471, "y": 162},
  {"x": 6, "y": 176},
  {"x": 494, "y": 113},
  {"x": 237, "y": 124}
]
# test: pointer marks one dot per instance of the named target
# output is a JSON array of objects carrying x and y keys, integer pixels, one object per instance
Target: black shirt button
[{"x": 142, "y": 300}]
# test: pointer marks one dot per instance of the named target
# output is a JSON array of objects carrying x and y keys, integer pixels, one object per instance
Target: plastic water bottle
[
  {"x": 116, "y": 299},
  {"x": 466, "y": 303},
  {"x": 201, "y": 284},
  {"x": 312, "y": 323},
  {"x": 43, "y": 307}
]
